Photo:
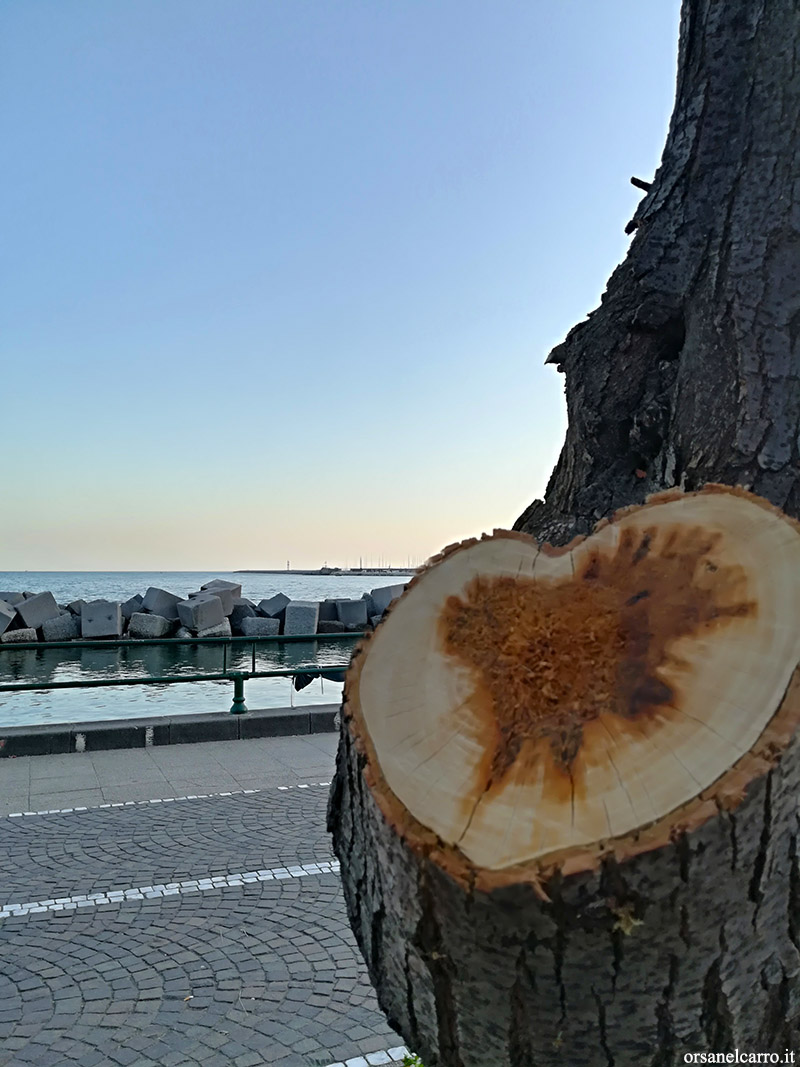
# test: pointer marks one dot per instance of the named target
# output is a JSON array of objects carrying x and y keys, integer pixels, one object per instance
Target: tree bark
[
  {"x": 548, "y": 854},
  {"x": 689, "y": 371}
]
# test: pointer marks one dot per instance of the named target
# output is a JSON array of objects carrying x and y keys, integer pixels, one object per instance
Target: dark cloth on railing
[{"x": 302, "y": 680}]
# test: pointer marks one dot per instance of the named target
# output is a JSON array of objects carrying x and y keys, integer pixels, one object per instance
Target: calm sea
[{"x": 125, "y": 702}]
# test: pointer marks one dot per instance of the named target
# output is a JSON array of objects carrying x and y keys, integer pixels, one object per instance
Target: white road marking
[
  {"x": 373, "y": 1059},
  {"x": 160, "y": 800},
  {"x": 167, "y": 889}
]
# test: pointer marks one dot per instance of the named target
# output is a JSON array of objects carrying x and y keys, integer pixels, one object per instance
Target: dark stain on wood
[{"x": 550, "y": 657}]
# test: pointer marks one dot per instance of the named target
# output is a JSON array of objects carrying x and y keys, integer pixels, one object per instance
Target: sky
[{"x": 278, "y": 277}]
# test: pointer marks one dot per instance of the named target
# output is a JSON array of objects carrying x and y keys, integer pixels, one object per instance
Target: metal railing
[{"x": 238, "y": 677}]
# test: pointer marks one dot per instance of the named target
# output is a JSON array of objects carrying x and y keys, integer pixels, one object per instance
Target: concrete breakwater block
[
  {"x": 274, "y": 607},
  {"x": 225, "y": 596},
  {"x": 14, "y": 637},
  {"x": 327, "y": 610},
  {"x": 101, "y": 618},
  {"x": 76, "y": 606},
  {"x": 301, "y": 617},
  {"x": 145, "y": 625},
  {"x": 7, "y": 615},
  {"x": 37, "y": 609},
  {"x": 352, "y": 612},
  {"x": 64, "y": 628},
  {"x": 382, "y": 598},
  {"x": 201, "y": 611},
  {"x": 242, "y": 609},
  {"x": 181, "y": 634},
  {"x": 160, "y": 602},
  {"x": 253, "y": 626},
  {"x": 235, "y": 588},
  {"x": 331, "y": 626},
  {"x": 11, "y": 598},
  {"x": 130, "y": 607},
  {"x": 222, "y": 629}
]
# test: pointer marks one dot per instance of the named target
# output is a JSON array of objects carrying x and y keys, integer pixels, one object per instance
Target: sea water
[{"x": 125, "y": 702}]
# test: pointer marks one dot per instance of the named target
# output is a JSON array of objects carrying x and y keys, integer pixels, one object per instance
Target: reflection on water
[{"x": 134, "y": 661}]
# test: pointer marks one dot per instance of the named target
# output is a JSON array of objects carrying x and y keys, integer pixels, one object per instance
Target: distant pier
[{"x": 324, "y": 571}]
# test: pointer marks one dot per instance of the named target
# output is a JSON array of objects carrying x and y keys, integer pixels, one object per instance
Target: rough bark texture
[
  {"x": 689, "y": 370},
  {"x": 690, "y": 947}
]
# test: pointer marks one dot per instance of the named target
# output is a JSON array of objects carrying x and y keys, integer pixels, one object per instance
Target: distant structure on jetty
[{"x": 336, "y": 570}]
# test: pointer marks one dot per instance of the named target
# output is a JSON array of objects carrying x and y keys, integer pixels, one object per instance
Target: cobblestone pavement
[{"x": 262, "y": 972}]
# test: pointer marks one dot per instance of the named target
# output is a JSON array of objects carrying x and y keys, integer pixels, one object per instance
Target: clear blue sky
[{"x": 279, "y": 276}]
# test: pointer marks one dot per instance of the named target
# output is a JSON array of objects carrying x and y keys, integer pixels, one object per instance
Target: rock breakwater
[{"x": 217, "y": 609}]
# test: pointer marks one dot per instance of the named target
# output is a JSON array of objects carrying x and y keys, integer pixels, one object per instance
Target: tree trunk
[
  {"x": 688, "y": 372},
  {"x": 671, "y": 932},
  {"x": 565, "y": 801}
]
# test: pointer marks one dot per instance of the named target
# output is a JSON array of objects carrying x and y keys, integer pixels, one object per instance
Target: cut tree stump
[{"x": 565, "y": 801}]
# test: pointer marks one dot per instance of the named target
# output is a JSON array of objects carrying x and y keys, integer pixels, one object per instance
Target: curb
[{"x": 166, "y": 730}]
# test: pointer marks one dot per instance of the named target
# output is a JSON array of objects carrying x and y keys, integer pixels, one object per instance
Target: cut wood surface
[{"x": 535, "y": 741}]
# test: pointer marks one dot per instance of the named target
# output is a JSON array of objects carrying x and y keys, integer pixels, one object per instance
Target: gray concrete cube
[
  {"x": 64, "y": 628},
  {"x": 301, "y": 617},
  {"x": 374, "y": 620},
  {"x": 383, "y": 597},
  {"x": 275, "y": 606},
  {"x": 352, "y": 612},
  {"x": 253, "y": 626},
  {"x": 330, "y": 626},
  {"x": 101, "y": 618},
  {"x": 160, "y": 602},
  {"x": 7, "y": 615},
  {"x": 11, "y": 598},
  {"x": 201, "y": 611},
  {"x": 37, "y": 609},
  {"x": 242, "y": 609},
  {"x": 327, "y": 610},
  {"x": 234, "y": 588},
  {"x": 76, "y": 606},
  {"x": 130, "y": 607},
  {"x": 14, "y": 637},
  {"x": 222, "y": 629},
  {"x": 143, "y": 624}
]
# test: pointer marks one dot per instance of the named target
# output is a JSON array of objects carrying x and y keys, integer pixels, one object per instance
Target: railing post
[{"x": 238, "y": 707}]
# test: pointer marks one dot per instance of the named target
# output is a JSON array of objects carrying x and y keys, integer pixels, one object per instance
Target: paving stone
[
  {"x": 14, "y": 637},
  {"x": 64, "y": 628},
  {"x": 160, "y": 602},
  {"x": 301, "y": 617},
  {"x": 254, "y": 626},
  {"x": 232, "y": 950},
  {"x": 101, "y": 618},
  {"x": 201, "y": 611},
  {"x": 36, "y": 609},
  {"x": 130, "y": 607},
  {"x": 143, "y": 625}
]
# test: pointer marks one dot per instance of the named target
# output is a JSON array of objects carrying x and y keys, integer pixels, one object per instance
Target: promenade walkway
[{"x": 177, "y": 906}]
